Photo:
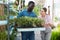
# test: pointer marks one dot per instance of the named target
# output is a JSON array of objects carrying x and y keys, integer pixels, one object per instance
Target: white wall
[{"x": 57, "y": 8}]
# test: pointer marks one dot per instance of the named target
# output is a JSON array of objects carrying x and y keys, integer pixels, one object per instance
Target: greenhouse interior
[{"x": 16, "y": 20}]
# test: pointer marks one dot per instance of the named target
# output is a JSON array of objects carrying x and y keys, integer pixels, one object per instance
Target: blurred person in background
[{"x": 46, "y": 35}]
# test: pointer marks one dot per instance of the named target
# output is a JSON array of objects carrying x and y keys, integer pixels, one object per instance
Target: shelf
[{"x": 3, "y": 22}]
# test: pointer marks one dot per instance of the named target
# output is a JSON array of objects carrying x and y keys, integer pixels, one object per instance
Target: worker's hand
[{"x": 46, "y": 25}]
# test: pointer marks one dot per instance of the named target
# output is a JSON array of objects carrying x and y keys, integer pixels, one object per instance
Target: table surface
[{"x": 28, "y": 29}]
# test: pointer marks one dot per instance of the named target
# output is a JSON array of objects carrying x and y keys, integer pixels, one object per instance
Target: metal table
[{"x": 31, "y": 29}]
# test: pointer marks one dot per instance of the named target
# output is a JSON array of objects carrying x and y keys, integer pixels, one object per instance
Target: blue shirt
[{"x": 26, "y": 13}]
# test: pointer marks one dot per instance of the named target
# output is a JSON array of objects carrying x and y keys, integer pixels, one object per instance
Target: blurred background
[{"x": 15, "y": 6}]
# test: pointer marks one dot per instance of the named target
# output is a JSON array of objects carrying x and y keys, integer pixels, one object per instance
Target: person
[
  {"x": 48, "y": 10},
  {"x": 46, "y": 35},
  {"x": 28, "y": 35}
]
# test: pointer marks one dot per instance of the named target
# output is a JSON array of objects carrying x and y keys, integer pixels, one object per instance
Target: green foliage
[
  {"x": 56, "y": 33},
  {"x": 58, "y": 25},
  {"x": 13, "y": 35},
  {"x": 25, "y": 22},
  {"x": 11, "y": 21},
  {"x": 4, "y": 17},
  {"x": 5, "y": 10},
  {"x": 37, "y": 10},
  {"x": 39, "y": 22},
  {"x": 13, "y": 13},
  {"x": 56, "y": 19},
  {"x": 28, "y": 21},
  {"x": 3, "y": 35}
]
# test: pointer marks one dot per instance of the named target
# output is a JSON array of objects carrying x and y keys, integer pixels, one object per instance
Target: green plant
[
  {"x": 13, "y": 13},
  {"x": 3, "y": 35},
  {"x": 58, "y": 25},
  {"x": 28, "y": 22},
  {"x": 56, "y": 19},
  {"x": 13, "y": 35},
  {"x": 37, "y": 10},
  {"x": 39, "y": 22},
  {"x": 56, "y": 33},
  {"x": 3, "y": 17}
]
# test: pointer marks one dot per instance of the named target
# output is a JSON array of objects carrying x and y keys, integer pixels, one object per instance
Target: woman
[{"x": 46, "y": 35}]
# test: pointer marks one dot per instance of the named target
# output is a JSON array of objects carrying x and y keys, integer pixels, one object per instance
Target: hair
[
  {"x": 45, "y": 9},
  {"x": 31, "y": 2}
]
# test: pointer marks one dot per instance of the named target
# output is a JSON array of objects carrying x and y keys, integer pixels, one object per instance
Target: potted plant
[
  {"x": 3, "y": 23},
  {"x": 3, "y": 35},
  {"x": 27, "y": 22}
]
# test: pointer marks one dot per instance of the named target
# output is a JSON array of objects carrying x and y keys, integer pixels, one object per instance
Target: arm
[{"x": 19, "y": 15}]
